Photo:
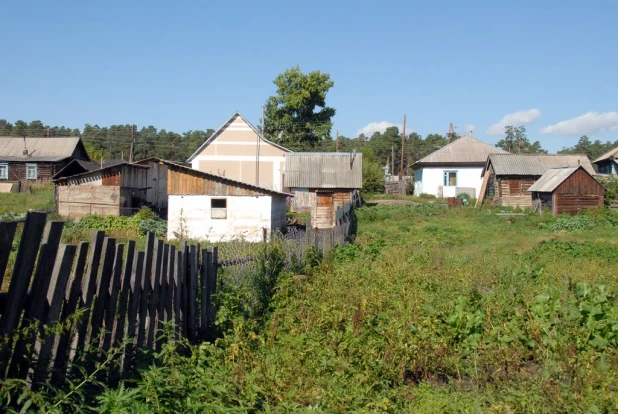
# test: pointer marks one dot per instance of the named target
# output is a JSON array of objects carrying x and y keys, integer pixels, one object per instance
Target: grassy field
[
  {"x": 431, "y": 310},
  {"x": 40, "y": 198}
]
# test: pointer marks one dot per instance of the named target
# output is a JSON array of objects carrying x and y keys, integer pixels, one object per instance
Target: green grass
[
  {"x": 40, "y": 198},
  {"x": 430, "y": 310}
]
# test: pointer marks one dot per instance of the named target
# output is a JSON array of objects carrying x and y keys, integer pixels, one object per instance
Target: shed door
[{"x": 325, "y": 212}]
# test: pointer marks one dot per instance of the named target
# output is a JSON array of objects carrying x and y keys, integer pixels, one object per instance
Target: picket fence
[{"x": 106, "y": 294}]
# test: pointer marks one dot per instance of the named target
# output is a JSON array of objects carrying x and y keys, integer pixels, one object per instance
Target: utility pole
[
  {"x": 337, "y": 142},
  {"x": 131, "y": 155},
  {"x": 451, "y": 136},
  {"x": 403, "y": 141},
  {"x": 388, "y": 160},
  {"x": 47, "y": 133},
  {"x": 392, "y": 162},
  {"x": 262, "y": 120}
]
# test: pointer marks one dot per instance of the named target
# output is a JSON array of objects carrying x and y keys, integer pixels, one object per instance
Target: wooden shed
[
  {"x": 210, "y": 207},
  {"x": 508, "y": 177},
  {"x": 323, "y": 182},
  {"x": 117, "y": 190},
  {"x": 566, "y": 190}
]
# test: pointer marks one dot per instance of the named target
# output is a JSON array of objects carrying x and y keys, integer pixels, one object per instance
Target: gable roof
[
  {"x": 553, "y": 177},
  {"x": 83, "y": 166},
  {"x": 534, "y": 164},
  {"x": 40, "y": 149},
  {"x": 323, "y": 170},
  {"x": 99, "y": 169},
  {"x": 465, "y": 150},
  {"x": 203, "y": 174},
  {"x": 224, "y": 127},
  {"x": 611, "y": 154}
]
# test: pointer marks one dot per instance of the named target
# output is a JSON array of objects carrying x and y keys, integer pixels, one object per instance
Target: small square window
[
  {"x": 31, "y": 172},
  {"x": 218, "y": 208},
  {"x": 450, "y": 178},
  {"x": 4, "y": 171}
]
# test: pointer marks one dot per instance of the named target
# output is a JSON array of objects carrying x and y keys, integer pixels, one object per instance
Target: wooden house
[
  {"x": 117, "y": 190},
  {"x": 37, "y": 159},
  {"x": 566, "y": 190},
  {"x": 80, "y": 166},
  {"x": 607, "y": 163},
  {"x": 322, "y": 182},
  {"x": 211, "y": 207},
  {"x": 508, "y": 177},
  {"x": 240, "y": 152},
  {"x": 453, "y": 169}
]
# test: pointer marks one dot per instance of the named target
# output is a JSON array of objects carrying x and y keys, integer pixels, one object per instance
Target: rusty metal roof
[
  {"x": 323, "y": 170},
  {"x": 465, "y": 150},
  {"x": 534, "y": 164},
  {"x": 50, "y": 149},
  {"x": 611, "y": 154},
  {"x": 552, "y": 179}
]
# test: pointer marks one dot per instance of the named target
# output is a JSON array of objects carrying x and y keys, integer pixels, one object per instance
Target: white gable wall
[
  {"x": 246, "y": 217},
  {"x": 428, "y": 179}
]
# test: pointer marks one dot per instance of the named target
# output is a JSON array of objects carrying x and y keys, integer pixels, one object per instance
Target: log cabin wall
[{"x": 512, "y": 191}]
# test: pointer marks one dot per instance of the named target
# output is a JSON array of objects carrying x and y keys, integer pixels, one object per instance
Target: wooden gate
[{"x": 324, "y": 216}]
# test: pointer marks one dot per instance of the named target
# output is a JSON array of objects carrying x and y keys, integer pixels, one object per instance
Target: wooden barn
[
  {"x": 566, "y": 190},
  {"x": 508, "y": 177},
  {"x": 117, "y": 190},
  {"x": 322, "y": 182},
  {"x": 608, "y": 162},
  {"x": 37, "y": 159},
  {"x": 80, "y": 166},
  {"x": 210, "y": 207}
]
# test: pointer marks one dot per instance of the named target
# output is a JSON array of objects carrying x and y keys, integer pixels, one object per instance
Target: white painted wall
[
  {"x": 246, "y": 217},
  {"x": 428, "y": 179}
]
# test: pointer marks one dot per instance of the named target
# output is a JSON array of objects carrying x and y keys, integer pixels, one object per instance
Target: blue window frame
[{"x": 450, "y": 178}]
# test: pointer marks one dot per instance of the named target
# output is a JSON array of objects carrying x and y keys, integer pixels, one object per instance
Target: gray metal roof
[
  {"x": 552, "y": 179},
  {"x": 323, "y": 170},
  {"x": 51, "y": 149},
  {"x": 465, "y": 150},
  {"x": 534, "y": 164},
  {"x": 613, "y": 153}
]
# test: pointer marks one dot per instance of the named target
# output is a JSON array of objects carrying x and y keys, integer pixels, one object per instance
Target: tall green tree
[
  {"x": 297, "y": 116},
  {"x": 516, "y": 141},
  {"x": 591, "y": 149}
]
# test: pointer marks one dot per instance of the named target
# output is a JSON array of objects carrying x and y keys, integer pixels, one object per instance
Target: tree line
[{"x": 592, "y": 149}]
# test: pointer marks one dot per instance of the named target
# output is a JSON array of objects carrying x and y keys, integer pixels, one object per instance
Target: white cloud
[
  {"x": 587, "y": 124},
  {"x": 518, "y": 118},
  {"x": 467, "y": 128},
  {"x": 369, "y": 129}
]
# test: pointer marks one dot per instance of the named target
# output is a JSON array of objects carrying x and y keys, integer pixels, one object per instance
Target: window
[
  {"x": 605, "y": 169},
  {"x": 218, "y": 208},
  {"x": 31, "y": 172},
  {"x": 4, "y": 171},
  {"x": 450, "y": 178}
]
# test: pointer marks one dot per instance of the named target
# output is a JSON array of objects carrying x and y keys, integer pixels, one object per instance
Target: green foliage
[
  {"x": 592, "y": 149},
  {"x": 297, "y": 116},
  {"x": 611, "y": 185},
  {"x": 574, "y": 223},
  {"x": 140, "y": 223},
  {"x": 516, "y": 141},
  {"x": 598, "y": 316},
  {"x": 40, "y": 198},
  {"x": 373, "y": 173}
]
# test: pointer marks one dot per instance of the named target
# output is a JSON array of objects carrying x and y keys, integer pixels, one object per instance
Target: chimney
[{"x": 25, "y": 151}]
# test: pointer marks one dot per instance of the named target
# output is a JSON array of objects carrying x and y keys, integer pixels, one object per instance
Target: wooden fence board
[
  {"x": 20, "y": 281},
  {"x": 137, "y": 275},
  {"x": 205, "y": 269},
  {"x": 89, "y": 286},
  {"x": 7, "y": 233},
  {"x": 162, "y": 295},
  {"x": 178, "y": 295},
  {"x": 54, "y": 300},
  {"x": 192, "y": 292},
  {"x": 211, "y": 285},
  {"x": 125, "y": 289},
  {"x": 62, "y": 351},
  {"x": 155, "y": 286},
  {"x": 171, "y": 288},
  {"x": 145, "y": 284},
  {"x": 36, "y": 304},
  {"x": 102, "y": 296},
  {"x": 112, "y": 303}
]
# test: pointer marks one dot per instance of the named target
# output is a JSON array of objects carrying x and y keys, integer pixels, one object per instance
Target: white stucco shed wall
[
  {"x": 428, "y": 179},
  {"x": 246, "y": 217}
]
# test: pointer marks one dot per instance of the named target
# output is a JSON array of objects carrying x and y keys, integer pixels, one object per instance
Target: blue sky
[{"x": 549, "y": 65}]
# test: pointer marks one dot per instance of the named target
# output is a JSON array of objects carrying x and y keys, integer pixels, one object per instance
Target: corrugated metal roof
[
  {"x": 535, "y": 164},
  {"x": 49, "y": 149},
  {"x": 323, "y": 170},
  {"x": 613, "y": 153},
  {"x": 465, "y": 150},
  {"x": 223, "y": 127},
  {"x": 98, "y": 170},
  {"x": 552, "y": 179}
]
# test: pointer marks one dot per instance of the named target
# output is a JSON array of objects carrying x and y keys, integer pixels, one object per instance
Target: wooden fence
[{"x": 105, "y": 293}]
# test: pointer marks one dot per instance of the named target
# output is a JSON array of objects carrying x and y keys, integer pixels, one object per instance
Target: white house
[
  {"x": 211, "y": 207},
  {"x": 238, "y": 151},
  {"x": 453, "y": 169}
]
